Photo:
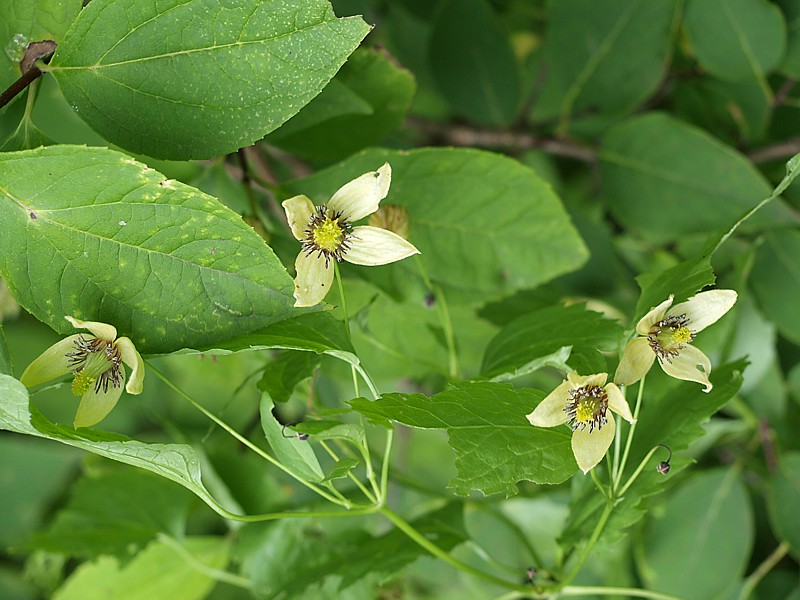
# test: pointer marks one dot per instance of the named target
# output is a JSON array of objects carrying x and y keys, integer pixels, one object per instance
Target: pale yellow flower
[
  {"x": 666, "y": 333},
  {"x": 96, "y": 359},
  {"x": 328, "y": 234},
  {"x": 583, "y": 402}
]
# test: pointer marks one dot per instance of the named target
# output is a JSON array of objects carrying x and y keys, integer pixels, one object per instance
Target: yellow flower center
[
  {"x": 669, "y": 336},
  {"x": 586, "y": 407},
  {"x": 327, "y": 235},
  {"x": 94, "y": 362}
]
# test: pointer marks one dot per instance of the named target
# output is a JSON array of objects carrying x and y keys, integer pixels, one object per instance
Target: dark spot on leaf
[{"x": 33, "y": 216}]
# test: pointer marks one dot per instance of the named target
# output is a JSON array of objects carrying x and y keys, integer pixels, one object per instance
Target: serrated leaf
[
  {"x": 116, "y": 514},
  {"x": 341, "y": 468},
  {"x": 294, "y": 453},
  {"x": 486, "y": 225},
  {"x": 158, "y": 572},
  {"x": 26, "y": 21},
  {"x": 586, "y": 75},
  {"x": 544, "y": 332},
  {"x": 176, "y": 462},
  {"x": 706, "y": 549},
  {"x": 155, "y": 78},
  {"x": 290, "y": 556},
  {"x": 736, "y": 39},
  {"x": 473, "y": 63},
  {"x": 486, "y": 424},
  {"x": 673, "y": 419},
  {"x": 365, "y": 102},
  {"x": 108, "y": 239},
  {"x": 784, "y": 489},
  {"x": 668, "y": 179}
]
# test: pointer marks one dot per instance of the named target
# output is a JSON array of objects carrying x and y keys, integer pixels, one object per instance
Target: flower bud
[{"x": 392, "y": 217}]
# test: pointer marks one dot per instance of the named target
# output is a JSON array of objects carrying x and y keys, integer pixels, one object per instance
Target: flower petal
[
  {"x": 590, "y": 448},
  {"x": 132, "y": 358},
  {"x": 360, "y": 197},
  {"x": 617, "y": 402},
  {"x": 373, "y": 246},
  {"x": 103, "y": 331},
  {"x": 636, "y": 362},
  {"x": 313, "y": 281},
  {"x": 50, "y": 364},
  {"x": 577, "y": 381},
  {"x": 654, "y": 316},
  {"x": 705, "y": 308},
  {"x": 550, "y": 411},
  {"x": 95, "y": 406},
  {"x": 299, "y": 211},
  {"x": 687, "y": 366}
]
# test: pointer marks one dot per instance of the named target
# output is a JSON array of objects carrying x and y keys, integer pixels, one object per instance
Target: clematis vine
[
  {"x": 584, "y": 403},
  {"x": 97, "y": 361},
  {"x": 328, "y": 234},
  {"x": 667, "y": 333}
]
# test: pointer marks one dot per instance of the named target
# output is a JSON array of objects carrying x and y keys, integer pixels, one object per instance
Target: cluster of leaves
[{"x": 545, "y": 152}]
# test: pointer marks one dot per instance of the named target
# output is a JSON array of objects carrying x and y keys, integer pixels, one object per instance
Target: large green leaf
[
  {"x": 473, "y": 62},
  {"x": 784, "y": 489},
  {"x": 485, "y": 224},
  {"x": 366, "y": 100},
  {"x": 176, "y": 570},
  {"x": 736, "y": 39},
  {"x": 704, "y": 532},
  {"x": 104, "y": 238},
  {"x": 26, "y": 21},
  {"x": 791, "y": 60},
  {"x": 587, "y": 75},
  {"x": 667, "y": 179},
  {"x": 543, "y": 333},
  {"x": 176, "y": 462},
  {"x": 486, "y": 423},
  {"x": 116, "y": 513},
  {"x": 192, "y": 79},
  {"x": 776, "y": 280}
]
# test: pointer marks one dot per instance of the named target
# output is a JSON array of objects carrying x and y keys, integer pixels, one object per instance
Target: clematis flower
[
  {"x": 666, "y": 333},
  {"x": 328, "y": 234},
  {"x": 96, "y": 359},
  {"x": 583, "y": 402}
]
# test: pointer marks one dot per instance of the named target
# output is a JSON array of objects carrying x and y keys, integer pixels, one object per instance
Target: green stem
[
  {"x": 598, "y": 529},
  {"x": 615, "y": 591},
  {"x": 443, "y": 312},
  {"x": 425, "y": 543},
  {"x": 629, "y": 440},
  {"x": 765, "y": 567},
  {"x": 598, "y": 484},
  {"x": 201, "y": 567},
  {"x": 322, "y": 514},
  {"x": 384, "y": 495},
  {"x": 243, "y": 440},
  {"x": 637, "y": 472},
  {"x": 352, "y": 477}
]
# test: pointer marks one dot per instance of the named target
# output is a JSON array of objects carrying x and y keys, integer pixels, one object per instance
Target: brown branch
[
  {"x": 30, "y": 72},
  {"x": 785, "y": 149},
  {"x": 461, "y": 135}
]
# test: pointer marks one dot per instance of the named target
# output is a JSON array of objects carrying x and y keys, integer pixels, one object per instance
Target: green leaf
[
  {"x": 704, "y": 532},
  {"x": 366, "y": 101},
  {"x": 292, "y": 452},
  {"x": 586, "y": 43},
  {"x": 6, "y": 368},
  {"x": 26, "y": 136},
  {"x": 473, "y": 62},
  {"x": 333, "y": 430},
  {"x": 117, "y": 514},
  {"x": 485, "y": 224},
  {"x": 176, "y": 462},
  {"x": 285, "y": 371},
  {"x": 775, "y": 279},
  {"x": 544, "y": 332},
  {"x": 159, "y": 572},
  {"x": 26, "y": 21},
  {"x": 287, "y": 558},
  {"x": 341, "y": 469},
  {"x": 107, "y": 239},
  {"x": 193, "y": 79},
  {"x": 673, "y": 419},
  {"x": 791, "y": 60},
  {"x": 668, "y": 179},
  {"x": 486, "y": 424},
  {"x": 784, "y": 489},
  {"x": 683, "y": 281},
  {"x": 736, "y": 39}
]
